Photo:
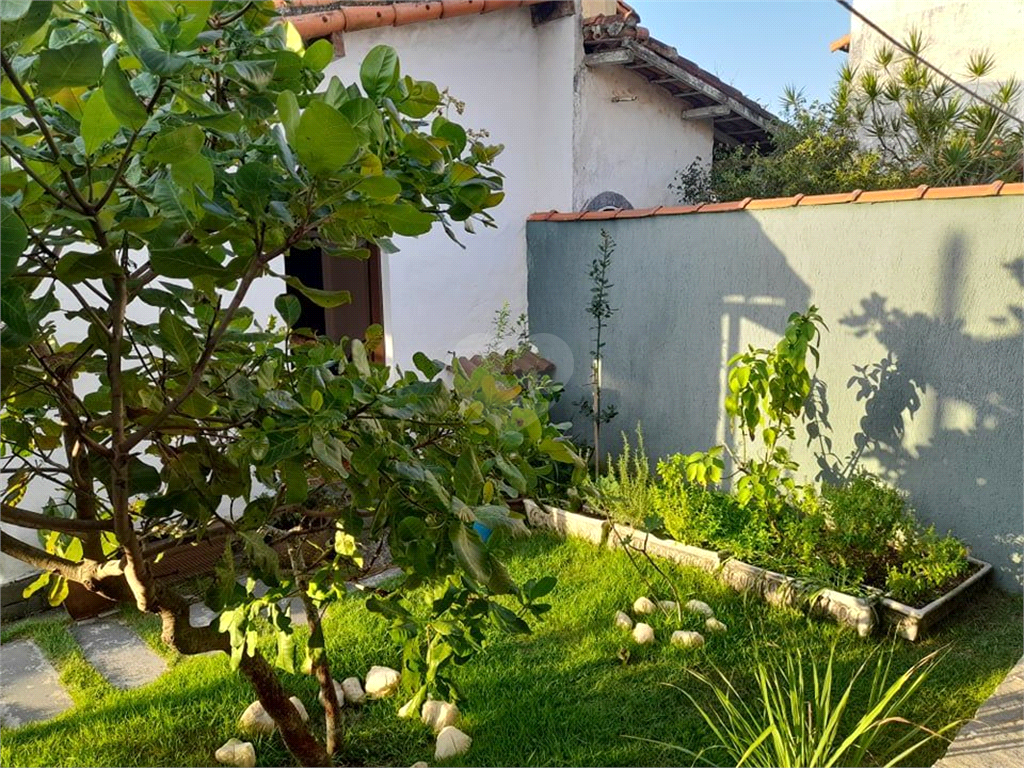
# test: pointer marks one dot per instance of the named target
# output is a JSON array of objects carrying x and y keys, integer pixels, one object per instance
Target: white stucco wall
[
  {"x": 952, "y": 29},
  {"x": 631, "y": 139},
  {"x": 516, "y": 82}
]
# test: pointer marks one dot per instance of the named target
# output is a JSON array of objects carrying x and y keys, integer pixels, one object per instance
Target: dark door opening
[{"x": 362, "y": 279}]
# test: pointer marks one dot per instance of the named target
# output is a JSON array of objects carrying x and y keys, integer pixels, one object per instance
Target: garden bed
[{"x": 862, "y": 614}]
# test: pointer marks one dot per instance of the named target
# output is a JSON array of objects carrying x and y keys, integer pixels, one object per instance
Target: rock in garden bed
[
  {"x": 450, "y": 743},
  {"x": 235, "y": 752}
]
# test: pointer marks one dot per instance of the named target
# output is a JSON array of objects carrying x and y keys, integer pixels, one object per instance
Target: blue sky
[{"x": 757, "y": 46}]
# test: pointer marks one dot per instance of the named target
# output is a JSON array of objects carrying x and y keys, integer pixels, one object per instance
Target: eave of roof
[
  {"x": 923, "y": 192},
  {"x": 842, "y": 44},
  {"x": 319, "y": 18}
]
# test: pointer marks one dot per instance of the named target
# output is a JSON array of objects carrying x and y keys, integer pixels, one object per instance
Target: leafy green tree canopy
[{"x": 157, "y": 158}]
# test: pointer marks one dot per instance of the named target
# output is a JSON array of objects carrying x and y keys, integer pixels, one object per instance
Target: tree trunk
[
  {"x": 272, "y": 695},
  {"x": 333, "y": 718}
]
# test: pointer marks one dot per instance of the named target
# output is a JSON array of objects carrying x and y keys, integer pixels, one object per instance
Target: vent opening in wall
[{"x": 607, "y": 201}]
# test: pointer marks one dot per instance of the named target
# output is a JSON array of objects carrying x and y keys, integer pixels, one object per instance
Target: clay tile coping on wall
[
  {"x": 319, "y": 18},
  {"x": 877, "y": 196}
]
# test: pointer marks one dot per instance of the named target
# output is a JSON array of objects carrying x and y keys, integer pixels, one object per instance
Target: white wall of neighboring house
[
  {"x": 952, "y": 30},
  {"x": 630, "y": 138}
]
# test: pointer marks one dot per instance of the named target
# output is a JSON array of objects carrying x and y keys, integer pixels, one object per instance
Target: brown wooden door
[{"x": 362, "y": 279}]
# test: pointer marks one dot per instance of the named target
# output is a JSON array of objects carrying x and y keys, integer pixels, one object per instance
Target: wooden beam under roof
[
  {"x": 606, "y": 58},
  {"x": 705, "y": 113}
]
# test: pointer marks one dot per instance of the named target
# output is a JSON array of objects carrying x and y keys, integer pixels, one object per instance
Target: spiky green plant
[{"x": 800, "y": 718}]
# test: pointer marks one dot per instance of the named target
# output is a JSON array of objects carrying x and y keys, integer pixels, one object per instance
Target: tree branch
[{"x": 25, "y": 519}]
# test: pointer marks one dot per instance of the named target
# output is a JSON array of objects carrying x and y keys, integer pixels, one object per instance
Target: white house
[{"x": 585, "y": 102}]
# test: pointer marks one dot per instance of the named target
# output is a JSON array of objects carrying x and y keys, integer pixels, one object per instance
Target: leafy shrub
[{"x": 625, "y": 488}]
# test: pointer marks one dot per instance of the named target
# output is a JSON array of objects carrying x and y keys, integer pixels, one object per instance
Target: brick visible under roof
[{"x": 922, "y": 192}]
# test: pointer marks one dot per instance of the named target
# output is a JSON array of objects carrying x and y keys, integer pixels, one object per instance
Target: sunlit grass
[{"x": 561, "y": 696}]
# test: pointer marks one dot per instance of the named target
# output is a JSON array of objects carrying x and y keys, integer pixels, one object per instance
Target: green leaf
[
  {"x": 359, "y": 357},
  {"x": 12, "y": 10},
  {"x": 195, "y": 172},
  {"x": 429, "y": 368},
  {"x": 422, "y": 100},
  {"x": 142, "y": 478},
  {"x": 16, "y": 30},
  {"x": 180, "y": 339},
  {"x": 318, "y": 55},
  {"x": 253, "y": 183},
  {"x": 76, "y": 65},
  {"x": 405, "y": 219},
  {"x": 559, "y": 450},
  {"x": 322, "y": 298},
  {"x": 288, "y": 111},
  {"x": 367, "y": 458},
  {"x": 296, "y": 486},
  {"x": 76, "y": 266},
  {"x": 324, "y": 139},
  {"x": 13, "y": 241},
  {"x": 379, "y": 71},
  {"x": 121, "y": 99},
  {"x": 185, "y": 261},
  {"x": 289, "y": 307},
  {"x": 14, "y": 313},
  {"x": 365, "y": 118},
  {"x": 379, "y": 188},
  {"x": 99, "y": 124},
  {"x": 257, "y": 74},
  {"x": 468, "y": 480},
  {"x": 58, "y": 591},
  {"x": 35, "y": 586},
  {"x": 162, "y": 63},
  {"x": 176, "y": 146}
]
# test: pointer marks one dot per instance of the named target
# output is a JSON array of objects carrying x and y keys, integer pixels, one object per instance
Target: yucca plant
[{"x": 801, "y": 716}]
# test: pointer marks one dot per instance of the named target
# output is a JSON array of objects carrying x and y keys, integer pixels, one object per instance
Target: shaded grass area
[{"x": 575, "y": 692}]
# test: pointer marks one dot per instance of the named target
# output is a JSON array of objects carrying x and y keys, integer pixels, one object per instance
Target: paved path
[
  {"x": 117, "y": 653},
  {"x": 995, "y": 737},
  {"x": 30, "y": 688}
]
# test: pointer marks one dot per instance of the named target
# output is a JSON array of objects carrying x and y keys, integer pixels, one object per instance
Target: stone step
[
  {"x": 117, "y": 653},
  {"x": 30, "y": 688}
]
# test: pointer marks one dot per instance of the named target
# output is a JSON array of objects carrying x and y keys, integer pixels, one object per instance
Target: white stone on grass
[
  {"x": 235, "y": 752},
  {"x": 256, "y": 719},
  {"x": 353, "y": 688},
  {"x": 451, "y": 742},
  {"x": 339, "y": 694},
  {"x": 622, "y": 620},
  {"x": 687, "y": 639},
  {"x": 668, "y": 605},
  {"x": 381, "y": 682},
  {"x": 420, "y": 764},
  {"x": 300, "y": 707},
  {"x": 698, "y": 606},
  {"x": 644, "y": 606},
  {"x": 438, "y": 715},
  {"x": 643, "y": 633},
  {"x": 714, "y": 625}
]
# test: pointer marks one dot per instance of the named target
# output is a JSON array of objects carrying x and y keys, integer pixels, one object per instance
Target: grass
[{"x": 561, "y": 696}]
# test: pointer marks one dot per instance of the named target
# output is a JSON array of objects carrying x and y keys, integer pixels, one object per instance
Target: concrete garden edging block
[{"x": 859, "y": 613}]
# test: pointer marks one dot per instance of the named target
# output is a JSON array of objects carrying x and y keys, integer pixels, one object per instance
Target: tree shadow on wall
[{"x": 968, "y": 476}]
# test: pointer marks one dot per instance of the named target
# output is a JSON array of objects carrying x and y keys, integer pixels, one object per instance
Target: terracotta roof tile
[
  {"x": 774, "y": 202},
  {"x": 841, "y": 197},
  {"x": 977, "y": 190},
  {"x": 675, "y": 210},
  {"x": 875, "y": 196},
  {"x": 637, "y": 213},
  {"x": 889, "y": 195},
  {"x": 735, "y": 205},
  {"x": 319, "y": 18},
  {"x": 611, "y": 213}
]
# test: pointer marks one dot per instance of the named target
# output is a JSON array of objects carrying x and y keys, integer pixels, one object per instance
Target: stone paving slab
[
  {"x": 30, "y": 688},
  {"x": 117, "y": 653},
  {"x": 995, "y": 737}
]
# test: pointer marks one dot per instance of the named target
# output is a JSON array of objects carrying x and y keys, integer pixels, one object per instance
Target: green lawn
[{"x": 562, "y": 696}]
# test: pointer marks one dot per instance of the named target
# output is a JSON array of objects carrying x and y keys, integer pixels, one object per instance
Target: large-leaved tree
[{"x": 158, "y": 158}]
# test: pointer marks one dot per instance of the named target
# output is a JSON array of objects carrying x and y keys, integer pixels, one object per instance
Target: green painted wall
[{"x": 922, "y": 366}]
